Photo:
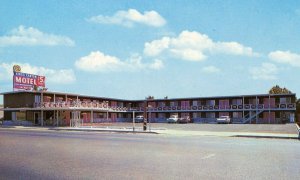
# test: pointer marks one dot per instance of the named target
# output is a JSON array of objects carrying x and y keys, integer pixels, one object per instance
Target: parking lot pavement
[{"x": 252, "y": 128}]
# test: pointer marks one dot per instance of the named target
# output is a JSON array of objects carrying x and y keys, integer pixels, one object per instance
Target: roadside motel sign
[{"x": 26, "y": 81}]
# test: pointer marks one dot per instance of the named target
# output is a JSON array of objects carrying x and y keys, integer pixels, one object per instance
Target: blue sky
[{"x": 132, "y": 49}]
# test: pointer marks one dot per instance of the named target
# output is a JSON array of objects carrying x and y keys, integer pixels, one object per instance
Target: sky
[{"x": 133, "y": 49}]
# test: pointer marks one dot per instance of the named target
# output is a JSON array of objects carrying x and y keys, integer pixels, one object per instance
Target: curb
[
  {"x": 269, "y": 137},
  {"x": 106, "y": 130}
]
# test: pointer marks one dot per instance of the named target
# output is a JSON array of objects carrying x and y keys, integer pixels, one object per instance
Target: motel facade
[{"x": 45, "y": 108}]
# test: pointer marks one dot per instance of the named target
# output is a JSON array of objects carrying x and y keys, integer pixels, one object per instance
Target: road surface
[{"x": 88, "y": 155}]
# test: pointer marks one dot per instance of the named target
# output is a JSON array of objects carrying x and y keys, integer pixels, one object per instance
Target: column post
[
  {"x": 92, "y": 117},
  {"x": 243, "y": 108},
  {"x": 269, "y": 109}
]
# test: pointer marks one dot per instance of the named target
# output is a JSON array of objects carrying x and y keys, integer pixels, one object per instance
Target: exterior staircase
[{"x": 249, "y": 117}]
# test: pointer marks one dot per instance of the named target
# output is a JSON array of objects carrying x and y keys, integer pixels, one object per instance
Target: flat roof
[{"x": 161, "y": 99}]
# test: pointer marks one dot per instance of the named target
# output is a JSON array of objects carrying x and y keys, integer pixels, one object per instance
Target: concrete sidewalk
[
  {"x": 106, "y": 129},
  {"x": 163, "y": 131}
]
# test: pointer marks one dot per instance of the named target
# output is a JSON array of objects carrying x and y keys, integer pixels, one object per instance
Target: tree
[
  {"x": 278, "y": 90},
  {"x": 150, "y": 97},
  {"x": 298, "y": 110}
]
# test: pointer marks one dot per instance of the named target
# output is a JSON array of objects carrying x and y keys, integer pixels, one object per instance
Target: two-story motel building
[{"x": 47, "y": 108}]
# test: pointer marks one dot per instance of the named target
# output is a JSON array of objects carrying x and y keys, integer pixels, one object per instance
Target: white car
[
  {"x": 173, "y": 119},
  {"x": 223, "y": 119},
  {"x": 139, "y": 119}
]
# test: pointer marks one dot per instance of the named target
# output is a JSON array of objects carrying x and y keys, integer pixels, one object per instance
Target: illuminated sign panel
[{"x": 27, "y": 81}]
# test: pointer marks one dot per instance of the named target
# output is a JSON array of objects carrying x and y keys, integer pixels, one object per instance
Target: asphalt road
[{"x": 86, "y": 155}]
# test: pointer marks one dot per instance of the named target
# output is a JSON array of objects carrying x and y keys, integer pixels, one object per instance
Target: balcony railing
[
  {"x": 228, "y": 107},
  {"x": 79, "y": 105}
]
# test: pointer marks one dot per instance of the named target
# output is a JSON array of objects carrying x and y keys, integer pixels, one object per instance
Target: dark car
[{"x": 186, "y": 119}]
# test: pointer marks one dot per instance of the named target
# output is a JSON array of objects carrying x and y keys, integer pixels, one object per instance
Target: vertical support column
[
  {"x": 269, "y": 110},
  {"x": 92, "y": 117},
  {"x": 145, "y": 115},
  {"x": 107, "y": 116},
  {"x": 133, "y": 121},
  {"x": 243, "y": 109},
  {"x": 42, "y": 112},
  {"x": 42, "y": 118},
  {"x": 77, "y": 101},
  {"x": 57, "y": 118},
  {"x": 72, "y": 118},
  {"x": 54, "y": 117},
  {"x": 54, "y": 99},
  {"x": 256, "y": 108}
]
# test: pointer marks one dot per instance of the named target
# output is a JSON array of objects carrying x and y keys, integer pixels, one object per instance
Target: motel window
[
  {"x": 152, "y": 104},
  {"x": 197, "y": 115},
  {"x": 210, "y": 115},
  {"x": 185, "y": 114},
  {"x": 161, "y": 115},
  {"x": 120, "y": 115},
  {"x": 223, "y": 103},
  {"x": 120, "y": 104},
  {"x": 21, "y": 116},
  {"x": 210, "y": 102},
  {"x": 185, "y": 103},
  {"x": 253, "y": 101},
  {"x": 37, "y": 98},
  {"x": 161, "y": 104},
  {"x": 174, "y": 103},
  {"x": 285, "y": 100},
  {"x": 237, "y": 114},
  {"x": 237, "y": 102},
  {"x": 196, "y": 103}
]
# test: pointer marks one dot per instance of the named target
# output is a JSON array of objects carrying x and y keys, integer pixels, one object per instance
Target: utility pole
[{"x": 145, "y": 116}]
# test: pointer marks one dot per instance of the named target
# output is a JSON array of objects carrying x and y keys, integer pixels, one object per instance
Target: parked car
[
  {"x": 139, "y": 119},
  {"x": 173, "y": 119},
  {"x": 224, "y": 119},
  {"x": 185, "y": 119}
]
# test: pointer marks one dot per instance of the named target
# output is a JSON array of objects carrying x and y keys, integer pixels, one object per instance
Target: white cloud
[
  {"x": 157, "y": 64},
  {"x": 99, "y": 62},
  {"x": 285, "y": 57},
  {"x": 266, "y": 71},
  {"x": 131, "y": 17},
  {"x": 155, "y": 47},
  {"x": 210, "y": 69},
  {"x": 60, "y": 76},
  {"x": 194, "y": 46},
  {"x": 30, "y": 36},
  {"x": 233, "y": 48}
]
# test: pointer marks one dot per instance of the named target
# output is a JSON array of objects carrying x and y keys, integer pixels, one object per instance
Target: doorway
[{"x": 37, "y": 118}]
